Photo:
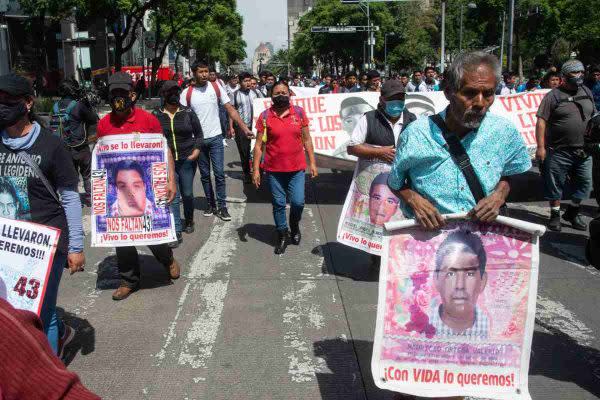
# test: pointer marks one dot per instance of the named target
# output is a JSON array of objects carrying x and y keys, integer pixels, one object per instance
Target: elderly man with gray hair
[{"x": 460, "y": 159}]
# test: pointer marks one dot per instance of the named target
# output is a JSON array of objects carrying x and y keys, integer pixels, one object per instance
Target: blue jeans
[
  {"x": 212, "y": 153},
  {"x": 562, "y": 163},
  {"x": 184, "y": 174},
  {"x": 53, "y": 326},
  {"x": 286, "y": 185}
]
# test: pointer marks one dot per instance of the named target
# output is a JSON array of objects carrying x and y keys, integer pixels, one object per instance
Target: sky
[{"x": 264, "y": 21}]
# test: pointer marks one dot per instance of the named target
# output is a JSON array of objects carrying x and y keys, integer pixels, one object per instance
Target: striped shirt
[
  {"x": 479, "y": 330},
  {"x": 242, "y": 101}
]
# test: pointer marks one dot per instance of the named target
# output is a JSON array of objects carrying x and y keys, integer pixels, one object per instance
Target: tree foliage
[{"x": 546, "y": 31}]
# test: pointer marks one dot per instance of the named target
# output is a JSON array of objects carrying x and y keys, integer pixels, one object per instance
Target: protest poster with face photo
[
  {"x": 369, "y": 204},
  {"x": 129, "y": 191},
  {"x": 456, "y": 310},
  {"x": 26, "y": 254}
]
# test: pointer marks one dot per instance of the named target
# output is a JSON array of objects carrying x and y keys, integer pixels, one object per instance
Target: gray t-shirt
[{"x": 567, "y": 121}]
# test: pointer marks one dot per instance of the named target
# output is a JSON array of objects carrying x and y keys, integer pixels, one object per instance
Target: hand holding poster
[
  {"x": 130, "y": 191},
  {"x": 369, "y": 204},
  {"x": 26, "y": 256},
  {"x": 456, "y": 309}
]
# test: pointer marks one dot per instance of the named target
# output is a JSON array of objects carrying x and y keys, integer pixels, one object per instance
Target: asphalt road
[{"x": 243, "y": 323}]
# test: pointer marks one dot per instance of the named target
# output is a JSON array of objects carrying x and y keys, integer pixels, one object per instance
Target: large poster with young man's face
[
  {"x": 369, "y": 204},
  {"x": 456, "y": 311},
  {"x": 129, "y": 191}
]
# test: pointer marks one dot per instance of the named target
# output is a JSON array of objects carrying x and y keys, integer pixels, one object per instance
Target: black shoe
[
  {"x": 572, "y": 215},
  {"x": 295, "y": 235},
  {"x": 554, "y": 223},
  {"x": 223, "y": 214},
  {"x": 189, "y": 227},
  {"x": 282, "y": 241},
  {"x": 209, "y": 211}
]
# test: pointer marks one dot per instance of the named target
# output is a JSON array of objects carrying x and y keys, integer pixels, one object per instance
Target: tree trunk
[{"x": 118, "y": 52}]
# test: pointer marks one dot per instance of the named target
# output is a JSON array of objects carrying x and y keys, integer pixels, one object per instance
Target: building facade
[
  {"x": 262, "y": 55},
  {"x": 295, "y": 10}
]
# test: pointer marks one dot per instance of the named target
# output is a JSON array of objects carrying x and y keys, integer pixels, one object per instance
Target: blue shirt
[
  {"x": 496, "y": 150},
  {"x": 596, "y": 93}
]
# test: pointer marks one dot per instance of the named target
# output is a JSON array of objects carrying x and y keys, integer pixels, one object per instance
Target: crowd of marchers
[{"x": 478, "y": 152}]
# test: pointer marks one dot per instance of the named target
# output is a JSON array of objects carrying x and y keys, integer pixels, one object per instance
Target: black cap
[
  {"x": 168, "y": 85},
  {"x": 15, "y": 85},
  {"x": 391, "y": 88},
  {"x": 120, "y": 80}
]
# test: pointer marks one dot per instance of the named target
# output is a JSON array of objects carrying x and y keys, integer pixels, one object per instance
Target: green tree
[
  {"x": 278, "y": 64},
  {"x": 411, "y": 46}
]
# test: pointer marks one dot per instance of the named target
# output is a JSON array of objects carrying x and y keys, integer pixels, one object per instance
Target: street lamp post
[
  {"x": 387, "y": 71},
  {"x": 511, "y": 25},
  {"x": 443, "y": 38},
  {"x": 462, "y": 7}
]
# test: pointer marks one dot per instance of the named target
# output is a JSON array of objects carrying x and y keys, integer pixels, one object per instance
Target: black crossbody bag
[
  {"x": 38, "y": 172},
  {"x": 462, "y": 161}
]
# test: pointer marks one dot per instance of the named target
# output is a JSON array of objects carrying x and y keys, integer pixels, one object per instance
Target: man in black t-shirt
[{"x": 563, "y": 116}]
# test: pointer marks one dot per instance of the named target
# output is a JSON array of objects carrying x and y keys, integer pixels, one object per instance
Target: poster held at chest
[
  {"x": 456, "y": 309},
  {"x": 369, "y": 204},
  {"x": 130, "y": 191},
  {"x": 27, "y": 251}
]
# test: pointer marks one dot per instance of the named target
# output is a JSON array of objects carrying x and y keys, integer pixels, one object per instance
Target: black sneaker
[
  {"x": 223, "y": 214},
  {"x": 209, "y": 211},
  {"x": 572, "y": 215},
  {"x": 554, "y": 222},
  {"x": 189, "y": 227}
]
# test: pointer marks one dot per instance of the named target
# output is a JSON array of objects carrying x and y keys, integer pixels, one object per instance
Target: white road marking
[
  {"x": 196, "y": 347},
  {"x": 555, "y": 314},
  {"x": 301, "y": 312}
]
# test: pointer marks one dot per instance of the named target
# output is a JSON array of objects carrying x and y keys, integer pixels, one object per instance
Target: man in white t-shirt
[{"x": 204, "y": 98}]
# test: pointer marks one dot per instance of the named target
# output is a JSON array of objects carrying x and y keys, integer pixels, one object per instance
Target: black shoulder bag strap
[
  {"x": 460, "y": 157},
  {"x": 37, "y": 170}
]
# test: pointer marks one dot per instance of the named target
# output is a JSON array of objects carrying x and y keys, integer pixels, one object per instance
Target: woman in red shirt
[{"x": 283, "y": 133}]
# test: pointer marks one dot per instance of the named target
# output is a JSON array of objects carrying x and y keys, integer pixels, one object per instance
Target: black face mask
[
  {"x": 281, "y": 101},
  {"x": 11, "y": 113},
  {"x": 172, "y": 99},
  {"x": 120, "y": 103}
]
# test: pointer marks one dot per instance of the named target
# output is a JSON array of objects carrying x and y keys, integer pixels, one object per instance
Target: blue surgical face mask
[{"x": 394, "y": 108}]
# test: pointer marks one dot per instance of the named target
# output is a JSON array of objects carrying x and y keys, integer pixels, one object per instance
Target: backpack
[
  {"x": 190, "y": 90},
  {"x": 264, "y": 115},
  {"x": 60, "y": 124},
  {"x": 573, "y": 99},
  {"x": 223, "y": 119}
]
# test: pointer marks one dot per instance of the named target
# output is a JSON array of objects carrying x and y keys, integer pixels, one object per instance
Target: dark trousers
[
  {"x": 596, "y": 177},
  {"x": 129, "y": 263},
  {"x": 243, "y": 145},
  {"x": 561, "y": 164},
  {"x": 184, "y": 173},
  {"x": 82, "y": 159},
  {"x": 212, "y": 154}
]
